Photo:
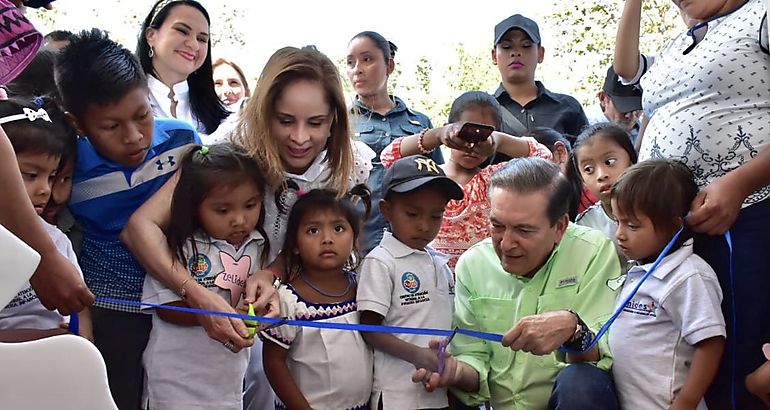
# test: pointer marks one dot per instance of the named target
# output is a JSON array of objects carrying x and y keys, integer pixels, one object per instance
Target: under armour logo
[
  {"x": 428, "y": 163},
  {"x": 170, "y": 162}
]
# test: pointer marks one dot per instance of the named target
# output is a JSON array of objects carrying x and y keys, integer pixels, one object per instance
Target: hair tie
[
  {"x": 38, "y": 101},
  {"x": 203, "y": 150}
]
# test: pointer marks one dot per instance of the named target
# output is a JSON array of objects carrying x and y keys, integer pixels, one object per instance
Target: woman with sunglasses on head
[
  {"x": 175, "y": 51},
  {"x": 711, "y": 103}
]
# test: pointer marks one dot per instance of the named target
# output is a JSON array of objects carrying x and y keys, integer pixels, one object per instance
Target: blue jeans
[
  {"x": 582, "y": 386},
  {"x": 748, "y": 326}
]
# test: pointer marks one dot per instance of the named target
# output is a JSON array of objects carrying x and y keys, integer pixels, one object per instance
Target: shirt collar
[
  {"x": 203, "y": 238},
  {"x": 541, "y": 91},
  {"x": 399, "y": 249},
  {"x": 669, "y": 263},
  {"x": 180, "y": 88},
  {"x": 363, "y": 109},
  {"x": 313, "y": 171}
]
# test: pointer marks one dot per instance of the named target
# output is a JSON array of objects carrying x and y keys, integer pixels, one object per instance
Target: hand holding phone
[{"x": 475, "y": 133}]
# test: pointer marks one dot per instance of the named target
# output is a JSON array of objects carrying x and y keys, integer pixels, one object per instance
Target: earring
[{"x": 151, "y": 52}]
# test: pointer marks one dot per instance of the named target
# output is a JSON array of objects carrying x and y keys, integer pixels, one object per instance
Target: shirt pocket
[
  {"x": 494, "y": 315},
  {"x": 408, "y": 128},
  {"x": 558, "y": 299},
  {"x": 375, "y": 138}
]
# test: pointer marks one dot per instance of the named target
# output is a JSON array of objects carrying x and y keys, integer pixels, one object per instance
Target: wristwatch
[{"x": 582, "y": 337}]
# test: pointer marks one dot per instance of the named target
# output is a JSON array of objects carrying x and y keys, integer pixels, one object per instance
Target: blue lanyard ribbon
[
  {"x": 492, "y": 337},
  {"x": 620, "y": 308}
]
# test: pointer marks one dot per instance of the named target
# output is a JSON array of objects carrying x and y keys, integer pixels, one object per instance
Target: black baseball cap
[
  {"x": 415, "y": 171},
  {"x": 626, "y": 98},
  {"x": 520, "y": 22}
]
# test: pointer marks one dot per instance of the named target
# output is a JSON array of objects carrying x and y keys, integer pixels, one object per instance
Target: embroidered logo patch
[
  {"x": 199, "y": 265},
  {"x": 568, "y": 281},
  {"x": 616, "y": 283},
  {"x": 410, "y": 282}
]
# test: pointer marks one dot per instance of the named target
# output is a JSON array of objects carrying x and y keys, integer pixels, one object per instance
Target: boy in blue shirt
[{"x": 124, "y": 157}]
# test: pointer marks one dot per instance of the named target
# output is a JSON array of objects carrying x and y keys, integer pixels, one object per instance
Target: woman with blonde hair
[{"x": 296, "y": 127}]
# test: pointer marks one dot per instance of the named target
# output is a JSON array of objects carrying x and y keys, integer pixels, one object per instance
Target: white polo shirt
[
  {"x": 652, "y": 341},
  {"x": 408, "y": 287}
]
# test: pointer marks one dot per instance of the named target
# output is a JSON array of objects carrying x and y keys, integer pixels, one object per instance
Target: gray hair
[{"x": 531, "y": 174}]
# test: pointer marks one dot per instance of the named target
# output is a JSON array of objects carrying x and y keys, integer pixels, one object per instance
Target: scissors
[
  {"x": 251, "y": 325},
  {"x": 442, "y": 350}
]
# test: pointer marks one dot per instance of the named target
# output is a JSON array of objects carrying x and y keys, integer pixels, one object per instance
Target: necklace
[{"x": 331, "y": 295}]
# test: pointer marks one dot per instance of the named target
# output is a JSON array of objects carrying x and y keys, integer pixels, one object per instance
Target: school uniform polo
[
  {"x": 408, "y": 287},
  {"x": 26, "y": 311},
  {"x": 653, "y": 339},
  {"x": 581, "y": 274},
  {"x": 214, "y": 374},
  {"x": 105, "y": 194}
]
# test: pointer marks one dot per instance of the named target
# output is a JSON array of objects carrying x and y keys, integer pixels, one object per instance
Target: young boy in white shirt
[{"x": 404, "y": 282}]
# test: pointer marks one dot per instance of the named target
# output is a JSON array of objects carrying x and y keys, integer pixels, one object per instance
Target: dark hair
[
  {"x": 387, "y": 48},
  {"x": 662, "y": 190},
  {"x": 200, "y": 171},
  {"x": 37, "y": 78},
  {"x": 222, "y": 61},
  {"x": 38, "y": 136},
  {"x": 606, "y": 130},
  {"x": 204, "y": 103},
  {"x": 323, "y": 200},
  {"x": 533, "y": 174},
  {"x": 58, "y": 35},
  {"x": 601, "y": 130},
  {"x": 475, "y": 100},
  {"x": 93, "y": 69},
  {"x": 549, "y": 137}
]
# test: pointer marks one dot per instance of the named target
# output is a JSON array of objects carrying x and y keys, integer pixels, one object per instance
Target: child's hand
[
  {"x": 430, "y": 377},
  {"x": 758, "y": 382},
  {"x": 427, "y": 358}
]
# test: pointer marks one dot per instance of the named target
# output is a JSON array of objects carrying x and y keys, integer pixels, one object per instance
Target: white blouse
[{"x": 161, "y": 103}]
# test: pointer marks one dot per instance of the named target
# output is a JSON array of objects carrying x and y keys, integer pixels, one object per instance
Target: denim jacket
[{"x": 378, "y": 131}]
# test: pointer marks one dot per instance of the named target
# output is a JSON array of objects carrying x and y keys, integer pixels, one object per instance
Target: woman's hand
[
  {"x": 261, "y": 293},
  {"x": 715, "y": 208},
  {"x": 226, "y": 330}
]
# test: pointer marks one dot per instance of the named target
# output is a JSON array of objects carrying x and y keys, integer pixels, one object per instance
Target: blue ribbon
[
  {"x": 492, "y": 337},
  {"x": 620, "y": 308}
]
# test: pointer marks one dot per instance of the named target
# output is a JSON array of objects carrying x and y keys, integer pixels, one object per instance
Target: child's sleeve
[
  {"x": 375, "y": 286},
  {"x": 694, "y": 307},
  {"x": 153, "y": 291},
  {"x": 284, "y": 335}
]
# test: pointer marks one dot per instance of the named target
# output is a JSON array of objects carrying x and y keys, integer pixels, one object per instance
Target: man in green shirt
[{"x": 544, "y": 283}]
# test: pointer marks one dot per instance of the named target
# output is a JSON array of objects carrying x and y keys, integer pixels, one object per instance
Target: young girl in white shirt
[
  {"x": 215, "y": 232},
  {"x": 310, "y": 367}
]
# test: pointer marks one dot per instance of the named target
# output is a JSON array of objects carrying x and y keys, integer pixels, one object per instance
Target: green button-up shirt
[{"x": 578, "y": 275}]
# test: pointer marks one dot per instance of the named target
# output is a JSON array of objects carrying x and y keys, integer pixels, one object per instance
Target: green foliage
[{"x": 587, "y": 37}]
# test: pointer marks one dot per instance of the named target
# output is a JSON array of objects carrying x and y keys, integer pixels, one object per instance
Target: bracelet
[
  {"x": 182, "y": 291},
  {"x": 421, "y": 147}
]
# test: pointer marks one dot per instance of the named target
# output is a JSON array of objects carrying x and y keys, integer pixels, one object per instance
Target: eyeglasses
[{"x": 697, "y": 32}]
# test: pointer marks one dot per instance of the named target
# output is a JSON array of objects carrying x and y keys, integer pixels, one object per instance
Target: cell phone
[{"x": 475, "y": 133}]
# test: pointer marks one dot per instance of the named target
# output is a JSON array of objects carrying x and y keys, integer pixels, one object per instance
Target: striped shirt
[{"x": 105, "y": 194}]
